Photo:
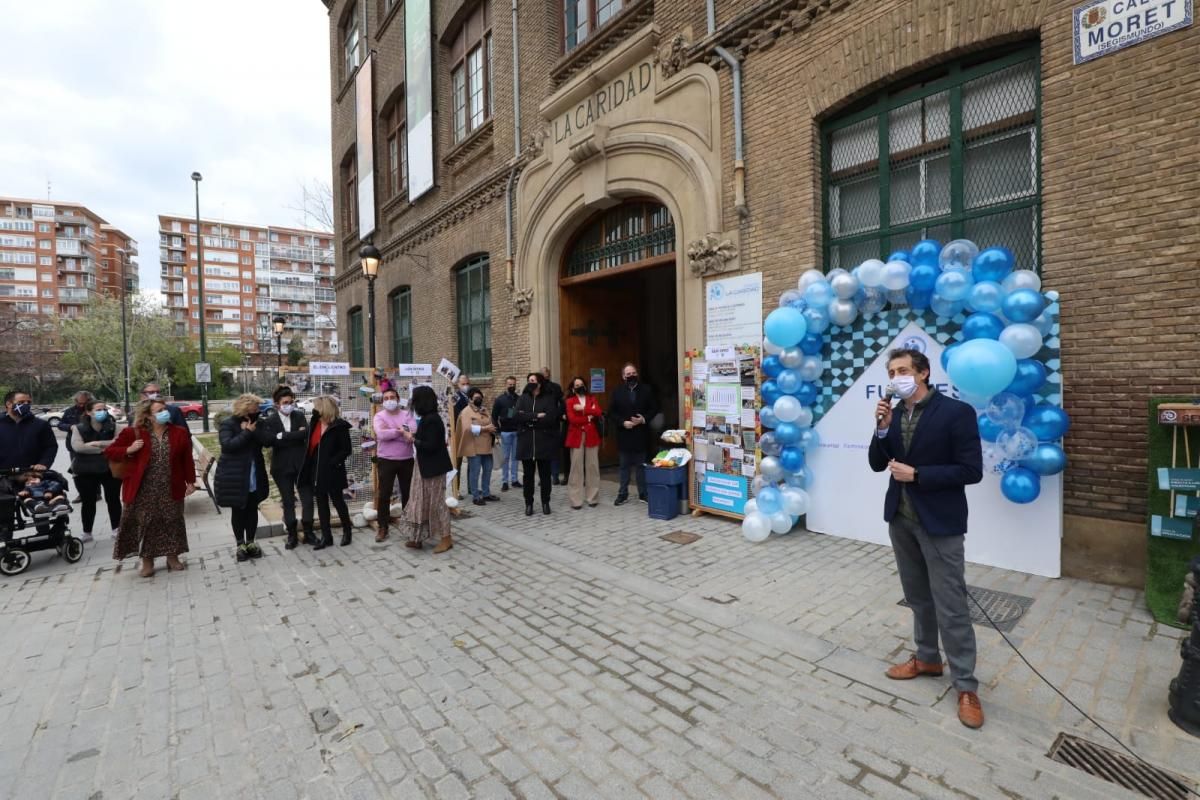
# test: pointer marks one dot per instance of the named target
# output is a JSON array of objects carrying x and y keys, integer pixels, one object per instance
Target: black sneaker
[
  {"x": 643, "y": 499},
  {"x": 478, "y": 501},
  {"x": 516, "y": 484},
  {"x": 254, "y": 550},
  {"x": 504, "y": 487},
  {"x": 242, "y": 554},
  {"x": 620, "y": 501}
]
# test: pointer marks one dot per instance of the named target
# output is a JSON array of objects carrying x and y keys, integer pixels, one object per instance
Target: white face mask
[
  {"x": 286, "y": 410},
  {"x": 905, "y": 386},
  {"x": 391, "y": 405}
]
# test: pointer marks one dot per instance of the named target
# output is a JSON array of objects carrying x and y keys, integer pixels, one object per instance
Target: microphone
[{"x": 888, "y": 393}]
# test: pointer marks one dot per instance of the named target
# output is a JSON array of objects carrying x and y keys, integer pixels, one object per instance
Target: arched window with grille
[{"x": 634, "y": 232}]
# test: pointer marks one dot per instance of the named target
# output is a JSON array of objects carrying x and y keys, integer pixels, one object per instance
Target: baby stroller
[{"x": 22, "y": 532}]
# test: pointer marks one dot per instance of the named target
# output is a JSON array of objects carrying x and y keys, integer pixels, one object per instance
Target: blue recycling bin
[{"x": 666, "y": 486}]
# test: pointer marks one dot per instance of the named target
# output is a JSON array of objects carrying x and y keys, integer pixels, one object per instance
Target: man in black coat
[
  {"x": 25, "y": 440},
  {"x": 555, "y": 390},
  {"x": 631, "y": 408},
  {"x": 286, "y": 432},
  {"x": 504, "y": 413},
  {"x": 538, "y": 413},
  {"x": 71, "y": 416}
]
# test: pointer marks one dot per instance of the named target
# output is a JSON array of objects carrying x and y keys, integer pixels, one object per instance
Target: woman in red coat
[
  {"x": 160, "y": 472},
  {"x": 583, "y": 440}
]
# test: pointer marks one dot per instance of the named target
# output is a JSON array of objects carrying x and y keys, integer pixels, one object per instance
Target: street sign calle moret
[{"x": 1106, "y": 26}]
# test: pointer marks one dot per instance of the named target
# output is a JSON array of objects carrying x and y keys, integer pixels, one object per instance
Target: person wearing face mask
[
  {"x": 538, "y": 413},
  {"x": 241, "y": 480},
  {"x": 394, "y": 428},
  {"x": 583, "y": 442},
  {"x": 286, "y": 433},
  {"x": 427, "y": 516},
  {"x": 930, "y": 447},
  {"x": 476, "y": 439},
  {"x": 504, "y": 415},
  {"x": 152, "y": 391},
  {"x": 630, "y": 409},
  {"x": 95, "y": 432},
  {"x": 25, "y": 440},
  {"x": 161, "y": 473}
]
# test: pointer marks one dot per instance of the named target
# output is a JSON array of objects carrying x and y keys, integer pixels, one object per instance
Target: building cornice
[{"x": 758, "y": 27}]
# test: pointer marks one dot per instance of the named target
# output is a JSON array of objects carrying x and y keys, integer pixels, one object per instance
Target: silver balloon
[
  {"x": 771, "y": 469},
  {"x": 811, "y": 368},
  {"x": 809, "y": 277},
  {"x": 804, "y": 419},
  {"x": 870, "y": 273},
  {"x": 842, "y": 312},
  {"x": 795, "y": 501},
  {"x": 770, "y": 348},
  {"x": 756, "y": 527},
  {"x": 1022, "y": 338},
  {"x": 895, "y": 275},
  {"x": 789, "y": 297},
  {"x": 845, "y": 286},
  {"x": 791, "y": 357},
  {"x": 1022, "y": 279}
]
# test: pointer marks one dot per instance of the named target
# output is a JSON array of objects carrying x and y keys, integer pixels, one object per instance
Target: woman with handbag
[
  {"x": 241, "y": 480},
  {"x": 156, "y": 459},
  {"x": 584, "y": 418},
  {"x": 96, "y": 431}
]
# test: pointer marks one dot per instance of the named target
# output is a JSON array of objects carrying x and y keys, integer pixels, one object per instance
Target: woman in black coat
[
  {"x": 241, "y": 480},
  {"x": 325, "y": 467},
  {"x": 426, "y": 514},
  {"x": 538, "y": 413}
]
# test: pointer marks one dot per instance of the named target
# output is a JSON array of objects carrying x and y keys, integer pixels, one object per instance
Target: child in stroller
[{"x": 45, "y": 495}]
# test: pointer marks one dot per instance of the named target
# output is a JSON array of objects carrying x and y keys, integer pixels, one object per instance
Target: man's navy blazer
[{"x": 946, "y": 451}]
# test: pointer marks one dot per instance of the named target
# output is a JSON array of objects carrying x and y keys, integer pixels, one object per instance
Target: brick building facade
[{"x": 1087, "y": 171}]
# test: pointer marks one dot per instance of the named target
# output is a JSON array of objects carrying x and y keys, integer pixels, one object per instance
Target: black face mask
[
  {"x": 580, "y": 390},
  {"x": 477, "y": 402},
  {"x": 632, "y": 380},
  {"x": 511, "y": 390}
]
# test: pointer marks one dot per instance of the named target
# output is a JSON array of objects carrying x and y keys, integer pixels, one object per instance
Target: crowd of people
[{"x": 143, "y": 469}]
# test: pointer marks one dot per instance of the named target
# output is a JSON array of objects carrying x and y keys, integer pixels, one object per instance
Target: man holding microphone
[{"x": 930, "y": 446}]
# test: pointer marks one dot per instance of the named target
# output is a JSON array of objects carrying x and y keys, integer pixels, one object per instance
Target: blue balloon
[
  {"x": 982, "y": 367},
  {"x": 1031, "y": 376},
  {"x": 771, "y": 366},
  {"x": 811, "y": 344},
  {"x": 807, "y": 393},
  {"x": 787, "y": 433},
  {"x": 992, "y": 264},
  {"x": 988, "y": 430},
  {"x": 1046, "y": 459},
  {"x": 769, "y": 500},
  {"x": 1023, "y": 305},
  {"x": 918, "y": 299},
  {"x": 982, "y": 325},
  {"x": 945, "y": 308},
  {"x": 767, "y": 418},
  {"x": 785, "y": 326},
  {"x": 923, "y": 277},
  {"x": 789, "y": 382},
  {"x": 770, "y": 393},
  {"x": 900, "y": 255},
  {"x": 950, "y": 348},
  {"x": 1018, "y": 484},
  {"x": 792, "y": 458},
  {"x": 808, "y": 439},
  {"x": 926, "y": 251},
  {"x": 1047, "y": 422}
]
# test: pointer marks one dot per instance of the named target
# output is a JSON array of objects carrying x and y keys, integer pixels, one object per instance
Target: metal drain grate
[
  {"x": 1005, "y": 609},
  {"x": 680, "y": 537},
  {"x": 1118, "y": 768}
]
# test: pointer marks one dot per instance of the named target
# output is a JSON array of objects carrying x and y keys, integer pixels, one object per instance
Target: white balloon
[
  {"x": 895, "y": 275},
  {"x": 751, "y": 507},
  {"x": 795, "y": 501},
  {"x": 370, "y": 514},
  {"x": 845, "y": 285},
  {"x": 451, "y": 501},
  {"x": 787, "y": 408},
  {"x": 756, "y": 527},
  {"x": 829, "y": 276},
  {"x": 770, "y": 467},
  {"x": 805, "y": 418},
  {"x": 810, "y": 276},
  {"x": 842, "y": 312},
  {"x": 770, "y": 348},
  {"x": 781, "y": 522},
  {"x": 870, "y": 273},
  {"x": 791, "y": 357},
  {"x": 358, "y": 521},
  {"x": 1022, "y": 338},
  {"x": 811, "y": 367},
  {"x": 1022, "y": 279},
  {"x": 396, "y": 510}
]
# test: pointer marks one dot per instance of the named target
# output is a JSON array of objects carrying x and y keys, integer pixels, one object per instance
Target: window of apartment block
[
  {"x": 402, "y": 339},
  {"x": 177, "y": 226},
  {"x": 471, "y": 72},
  {"x": 43, "y": 227},
  {"x": 355, "y": 322},
  {"x": 349, "y": 194},
  {"x": 45, "y": 244},
  {"x": 397, "y": 151},
  {"x": 474, "y": 307},
  {"x": 963, "y": 161},
  {"x": 582, "y": 18},
  {"x": 351, "y": 42},
  {"x": 45, "y": 261}
]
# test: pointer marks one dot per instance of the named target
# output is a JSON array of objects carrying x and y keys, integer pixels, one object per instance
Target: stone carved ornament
[
  {"x": 522, "y": 302},
  {"x": 672, "y": 56},
  {"x": 711, "y": 255}
]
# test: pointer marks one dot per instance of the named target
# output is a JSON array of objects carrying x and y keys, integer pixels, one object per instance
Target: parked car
[
  {"x": 191, "y": 411},
  {"x": 51, "y": 416}
]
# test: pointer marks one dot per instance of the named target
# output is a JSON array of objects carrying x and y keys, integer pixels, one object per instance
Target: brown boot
[
  {"x": 913, "y": 669},
  {"x": 381, "y": 535},
  {"x": 445, "y": 544},
  {"x": 970, "y": 711},
  {"x": 147, "y": 568}
]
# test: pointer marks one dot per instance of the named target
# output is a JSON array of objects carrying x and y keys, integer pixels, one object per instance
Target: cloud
[{"x": 115, "y": 104}]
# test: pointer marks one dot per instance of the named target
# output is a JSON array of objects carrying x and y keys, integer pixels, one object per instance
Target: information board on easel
[
  {"x": 720, "y": 387},
  {"x": 1182, "y": 481}
]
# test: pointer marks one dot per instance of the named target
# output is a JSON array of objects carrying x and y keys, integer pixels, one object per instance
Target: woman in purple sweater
[{"x": 394, "y": 428}]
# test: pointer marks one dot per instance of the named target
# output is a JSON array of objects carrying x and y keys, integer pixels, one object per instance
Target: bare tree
[{"x": 315, "y": 205}]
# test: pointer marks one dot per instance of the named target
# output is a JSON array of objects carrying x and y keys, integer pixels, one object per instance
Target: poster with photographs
[{"x": 721, "y": 409}]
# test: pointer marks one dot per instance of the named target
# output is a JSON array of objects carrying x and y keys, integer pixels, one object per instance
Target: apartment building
[
  {"x": 253, "y": 274},
  {"x": 55, "y": 257}
]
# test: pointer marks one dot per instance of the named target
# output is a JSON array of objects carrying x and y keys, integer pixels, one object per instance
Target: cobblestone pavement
[{"x": 569, "y": 656}]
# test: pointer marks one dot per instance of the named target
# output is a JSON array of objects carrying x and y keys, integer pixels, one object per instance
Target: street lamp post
[
  {"x": 279, "y": 323},
  {"x": 369, "y": 255},
  {"x": 196, "y": 178}
]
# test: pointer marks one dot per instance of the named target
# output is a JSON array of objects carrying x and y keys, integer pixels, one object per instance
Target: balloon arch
[{"x": 994, "y": 364}]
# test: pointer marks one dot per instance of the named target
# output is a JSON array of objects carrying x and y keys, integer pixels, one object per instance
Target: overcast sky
[{"x": 116, "y": 102}]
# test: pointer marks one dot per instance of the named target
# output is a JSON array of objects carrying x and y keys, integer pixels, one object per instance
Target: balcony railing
[{"x": 73, "y": 295}]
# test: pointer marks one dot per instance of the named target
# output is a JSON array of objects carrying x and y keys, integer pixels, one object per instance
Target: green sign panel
[
  {"x": 1187, "y": 506},
  {"x": 1171, "y": 528},
  {"x": 1171, "y": 479}
]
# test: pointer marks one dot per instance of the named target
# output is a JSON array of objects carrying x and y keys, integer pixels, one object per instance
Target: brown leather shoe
[
  {"x": 382, "y": 535},
  {"x": 970, "y": 712},
  {"x": 445, "y": 544},
  {"x": 413, "y": 545},
  {"x": 913, "y": 669}
]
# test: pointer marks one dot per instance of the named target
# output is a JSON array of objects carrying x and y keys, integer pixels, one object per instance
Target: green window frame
[
  {"x": 474, "y": 317},
  {"x": 354, "y": 321},
  {"x": 402, "y": 339},
  {"x": 963, "y": 147}
]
